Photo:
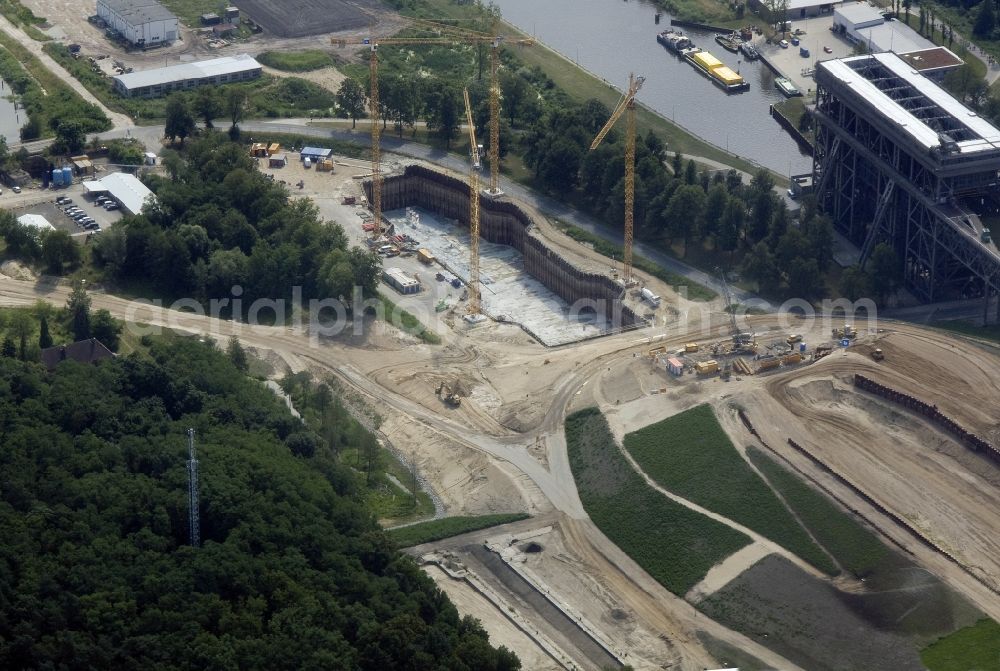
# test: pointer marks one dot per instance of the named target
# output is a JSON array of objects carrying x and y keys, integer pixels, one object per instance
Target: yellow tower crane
[
  {"x": 627, "y": 104},
  {"x": 447, "y": 35},
  {"x": 474, "y": 295}
]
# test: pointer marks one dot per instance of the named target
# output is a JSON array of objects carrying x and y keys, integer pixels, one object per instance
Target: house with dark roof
[{"x": 84, "y": 351}]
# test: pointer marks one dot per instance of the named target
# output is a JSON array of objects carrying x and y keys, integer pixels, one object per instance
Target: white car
[
  {"x": 783, "y": 44},
  {"x": 16, "y": 189}
]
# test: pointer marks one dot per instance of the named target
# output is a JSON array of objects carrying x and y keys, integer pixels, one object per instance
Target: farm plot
[
  {"x": 672, "y": 543},
  {"x": 299, "y": 18},
  {"x": 690, "y": 455}
]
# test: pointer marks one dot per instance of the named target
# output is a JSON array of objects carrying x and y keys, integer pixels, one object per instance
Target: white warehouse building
[
  {"x": 161, "y": 81},
  {"x": 144, "y": 23}
]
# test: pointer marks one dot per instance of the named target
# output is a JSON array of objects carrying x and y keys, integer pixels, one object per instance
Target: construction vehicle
[
  {"x": 626, "y": 104},
  {"x": 793, "y": 339},
  {"x": 449, "y": 397},
  {"x": 691, "y": 347},
  {"x": 706, "y": 367},
  {"x": 474, "y": 296},
  {"x": 821, "y": 352},
  {"x": 769, "y": 363},
  {"x": 446, "y": 35},
  {"x": 848, "y": 332},
  {"x": 878, "y": 354}
]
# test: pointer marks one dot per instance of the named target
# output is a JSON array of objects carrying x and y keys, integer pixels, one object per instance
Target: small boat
[
  {"x": 787, "y": 87},
  {"x": 749, "y": 51},
  {"x": 674, "y": 40},
  {"x": 730, "y": 42}
]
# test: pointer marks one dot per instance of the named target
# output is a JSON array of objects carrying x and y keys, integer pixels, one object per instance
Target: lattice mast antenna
[
  {"x": 194, "y": 512},
  {"x": 626, "y": 104},
  {"x": 474, "y": 296}
]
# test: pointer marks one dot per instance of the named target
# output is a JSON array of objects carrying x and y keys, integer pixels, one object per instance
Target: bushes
[
  {"x": 690, "y": 455},
  {"x": 853, "y": 546},
  {"x": 672, "y": 543},
  {"x": 295, "y": 61}
]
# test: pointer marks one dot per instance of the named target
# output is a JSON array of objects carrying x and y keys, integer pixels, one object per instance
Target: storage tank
[
  {"x": 57, "y": 177},
  {"x": 67, "y": 172},
  {"x": 650, "y": 297}
]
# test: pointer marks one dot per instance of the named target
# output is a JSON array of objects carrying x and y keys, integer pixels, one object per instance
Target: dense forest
[
  {"x": 96, "y": 570},
  {"x": 218, "y": 223}
]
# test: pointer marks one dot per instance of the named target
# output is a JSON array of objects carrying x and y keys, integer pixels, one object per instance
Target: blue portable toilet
[
  {"x": 802, "y": 347},
  {"x": 67, "y": 175},
  {"x": 57, "y": 177}
]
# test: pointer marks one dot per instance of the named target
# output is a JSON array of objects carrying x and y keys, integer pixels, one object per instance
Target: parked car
[
  {"x": 60, "y": 200},
  {"x": 93, "y": 226},
  {"x": 111, "y": 206},
  {"x": 16, "y": 189}
]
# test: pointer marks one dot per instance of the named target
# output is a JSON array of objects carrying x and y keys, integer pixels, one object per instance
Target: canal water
[
  {"x": 11, "y": 119},
  {"x": 611, "y": 38}
]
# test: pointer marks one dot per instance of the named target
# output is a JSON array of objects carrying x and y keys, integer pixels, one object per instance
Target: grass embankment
[
  {"x": 690, "y": 455},
  {"x": 296, "y": 61},
  {"x": 582, "y": 86},
  {"x": 435, "y": 530},
  {"x": 44, "y": 95},
  {"x": 975, "y": 648},
  {"x": 990, "y": 332},
  {"x": 672, "y": 543},
  {"x": 695, "y": 291},
  {"x": 24, "y": 18},
  {"x": 405, "y": 321},
  {"x": 854, "y": 547}
]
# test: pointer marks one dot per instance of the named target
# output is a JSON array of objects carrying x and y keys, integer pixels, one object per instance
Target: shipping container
[
  {"x": 727, "y": 76},
  {"x": 706, "y": 60},
  {"x": 707, "y": 367},
  {"x": 424, "y": 256}
]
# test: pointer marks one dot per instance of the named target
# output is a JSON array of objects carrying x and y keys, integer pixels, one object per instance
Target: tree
[
  {"x": 856, "y": 284},
  {"x": 985, "y": 21},
  {"x": 731, "y": 225},
  {"x": 759, "y": 265},
  {"x": 78, "y": 308},
  {"x": 685, "y": 212},
  {"x": 559, "y": 169},
  {"x": 805, "y": 278},
  {"x": 44, "y": 337},
  {"x": 9, "y": 349},
  {"x": 715, "y": 207},
  {"x": 236, "y": 105},
  {"x": 70, "y": 137},
  {"x": 760, "y": 215},
  {"x": 237, "y": 355},
  {"x": 21, "y": 327},
  {"x": 207, "y": 104},
  {"x": 59, "y": 250},
  {"x": 445, "y": 113},
  {"x": 351, "y": 98},
  {"x": 179, "y": 123},
  {"x": 106, "y": 329},
  {"x": 690, "y": 172}
]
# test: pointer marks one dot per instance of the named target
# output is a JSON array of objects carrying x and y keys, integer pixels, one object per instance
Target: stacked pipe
[{"x": 931, "y": 412}]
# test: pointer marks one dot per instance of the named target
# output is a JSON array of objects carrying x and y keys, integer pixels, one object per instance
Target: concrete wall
[{"x": 504, "y": 223}]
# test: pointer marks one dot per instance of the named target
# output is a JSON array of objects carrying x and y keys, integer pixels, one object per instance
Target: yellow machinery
[
  {"x": 474, "y": 294},
  {"x": 447, "y": 35},
  {"x": 627, "y": 103}
]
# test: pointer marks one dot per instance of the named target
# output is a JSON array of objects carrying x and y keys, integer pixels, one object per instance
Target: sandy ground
[
  {"x": 502, "y": 631},
  {"x": 726, "y": 571}
]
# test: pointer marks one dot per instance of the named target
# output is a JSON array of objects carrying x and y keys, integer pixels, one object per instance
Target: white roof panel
[
  {"x": 925, "y": 135},
  {"x": 185, "y": 71},
  {"x": 859, "y": 13},
  {"x": 127, "y": 190},
  {"x": 35, "y": 221}
]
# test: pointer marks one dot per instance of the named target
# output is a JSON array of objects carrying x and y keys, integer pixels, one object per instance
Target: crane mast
[
  {"x": 626, "y": 106},
  {"x": 376, "y": 141},
  {"x": 474, "y": 295}
]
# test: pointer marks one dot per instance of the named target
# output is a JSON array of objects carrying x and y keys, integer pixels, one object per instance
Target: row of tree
[{"x": 56, "y": 249}]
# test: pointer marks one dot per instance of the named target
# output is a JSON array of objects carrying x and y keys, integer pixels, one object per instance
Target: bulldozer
[
  {"x": 878, "y": 354},
  {"x": 449, "y": 397}
]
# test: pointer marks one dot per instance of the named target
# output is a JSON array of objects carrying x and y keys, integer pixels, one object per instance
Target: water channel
[
  {"x": 11, "y": 117},
  {"x": 611, "y": 38}
]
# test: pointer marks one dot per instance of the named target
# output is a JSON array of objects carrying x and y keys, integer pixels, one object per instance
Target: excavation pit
[
  {"x": 532, "y": 548},
  {"x": 523, "y": 280}
]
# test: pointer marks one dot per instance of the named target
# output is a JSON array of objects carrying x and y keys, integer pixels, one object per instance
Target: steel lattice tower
[{"x": 194, "y": 514}]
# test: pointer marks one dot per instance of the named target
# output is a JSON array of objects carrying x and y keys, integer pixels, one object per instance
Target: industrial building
[
  {"x": 863, "y": 24},
  {"x": 400, "y": 281},
  {"x": 143, "y": 23},
  {"x": 35, "y": 221},
  {"x": 315, "y": 154},
  {"x": 898, "y": 159},
  {"x": 798, "y": 9},
  {"x": 130, "y": 194},
  {"x": 161, "y": 81},
  {"x": 933, "y": 63}
]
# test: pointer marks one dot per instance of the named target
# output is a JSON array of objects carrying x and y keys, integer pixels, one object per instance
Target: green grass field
[
  {"x": 296, "y": 61},
  {"x": 690, "y": 455},
  {"x": 854, "y": 547},
  {"x": 673, "y": 544},
  {"x": 435, "y": 530},
  {"x": 991, "y": 332},
  {"x": 402, "y": 319},
  {"x": 975, "y": 648}
]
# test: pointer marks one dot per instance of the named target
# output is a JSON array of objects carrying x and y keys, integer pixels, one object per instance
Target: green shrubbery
[
  {"x": 976, "y": 647},
  {"x": 296, "y": 61},
  {"x": 690, "y": 455},
  {"x": 672, "y": 543},
  {"x": 435, "y": 530}
]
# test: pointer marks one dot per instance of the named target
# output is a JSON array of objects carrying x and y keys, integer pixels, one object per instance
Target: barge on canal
[
  {"x": 675, "y": 41},
  {"x": 721, "y": 74}
]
